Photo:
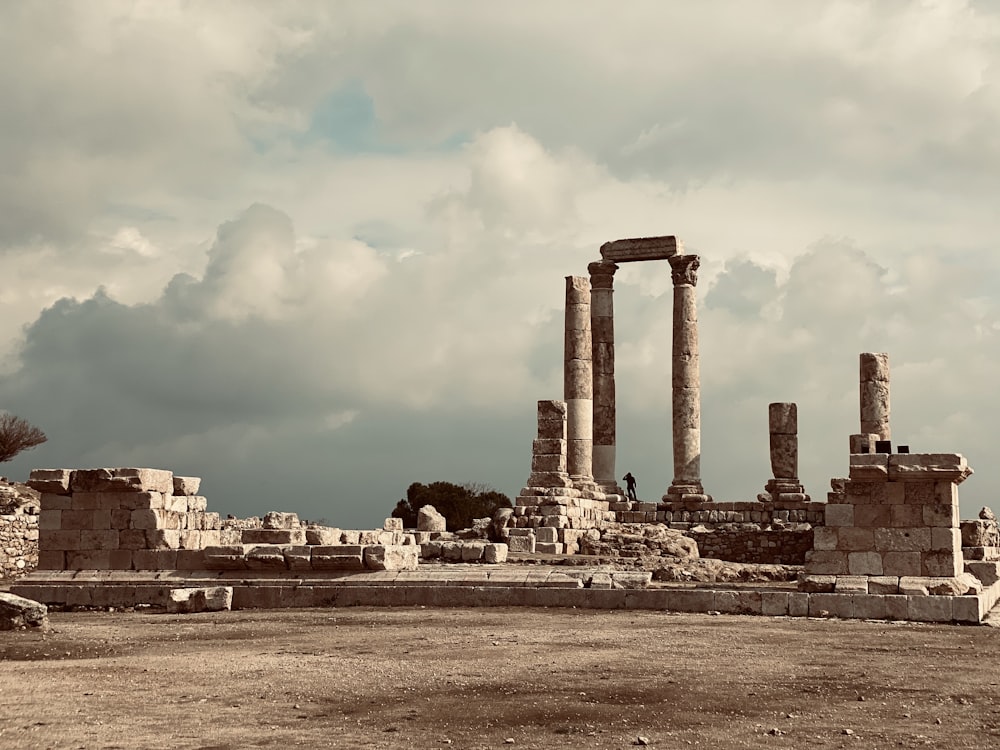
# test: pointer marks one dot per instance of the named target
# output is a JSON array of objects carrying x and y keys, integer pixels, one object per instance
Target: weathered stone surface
[
  {"x": 274, "y": 536},
  {"x": 191, "y": 600},
  {"x": 495, "y": 553},
  {"x": 390, "y": 557},
  {"x": 921, "y": 467},
  {"x": 817, "y": 584},
  {"x": 322, "y": 535},
  {"x": 641, "y": 248},
  {"x": 17, "y": 612},
  {"x": 277, "y": 520},
  {"x": 784, "y": 455},
  {"x": 428, "y": 519},
  {"x": 122, "y": 480},
  {"x": 521, "y": 544},
  {"x": 186, "y": 485},
  {"x": 338, "y": 557},
  {"x": 52, "y": 481}
]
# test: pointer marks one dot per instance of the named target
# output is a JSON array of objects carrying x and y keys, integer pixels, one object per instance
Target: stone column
[
  {"x": 783, "y": 429},
  {"x": 578, "y": 383},
  {"x": 602, "y": 321},
  {"x": 686, "y": 383},
  {"x": 875, "y": 395}
]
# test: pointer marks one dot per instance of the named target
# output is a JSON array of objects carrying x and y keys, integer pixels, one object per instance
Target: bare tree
[{"x": 17, "y": 435}]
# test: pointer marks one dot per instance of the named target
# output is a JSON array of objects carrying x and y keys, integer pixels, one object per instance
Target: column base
[
  {"x": 687, "y": 491},
  {"x": 787, "y": 490}
]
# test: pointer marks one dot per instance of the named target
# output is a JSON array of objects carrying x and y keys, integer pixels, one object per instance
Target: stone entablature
[{"x": 642, "y": 248}]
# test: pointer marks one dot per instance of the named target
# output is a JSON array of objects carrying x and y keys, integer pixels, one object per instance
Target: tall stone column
[
  {"x": 686, "y": 383},
  {"x": 578, "y": 383},
  {"x": 875, "y": 395},
  {"x": 602, "y": 321}
]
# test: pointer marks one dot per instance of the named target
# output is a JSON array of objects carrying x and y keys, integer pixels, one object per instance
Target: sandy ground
[{"x": 495, "y": 678}]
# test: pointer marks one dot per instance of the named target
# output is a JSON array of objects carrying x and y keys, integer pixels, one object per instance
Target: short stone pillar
[
  {"x": 686, "y": 383},
  {"x": 784, "y": 444},
  {"x": 548, "y": 450},
  {"x": 602, "y": 321},
  {"x": 578, "y": 383}
]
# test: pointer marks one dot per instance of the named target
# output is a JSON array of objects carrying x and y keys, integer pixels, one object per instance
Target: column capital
[
  {"x": 684, "y": 269},
  {"x": 602, "y": 274}
]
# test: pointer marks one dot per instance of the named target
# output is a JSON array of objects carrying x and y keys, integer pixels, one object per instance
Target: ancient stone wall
[
  {"x": 766, "y": 547},
  {"x": 18, "y": 529}
]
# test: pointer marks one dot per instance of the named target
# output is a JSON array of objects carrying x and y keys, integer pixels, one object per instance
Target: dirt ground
[{"x": 495, "y": 678}]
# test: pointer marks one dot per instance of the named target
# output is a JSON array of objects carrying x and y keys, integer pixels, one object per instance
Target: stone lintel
[{"x": 642, "y": 248}]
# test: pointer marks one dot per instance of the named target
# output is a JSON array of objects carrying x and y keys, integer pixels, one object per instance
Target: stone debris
[
  {"x": 428, "y": 519},
  {"x": 18, "y": 613},
  {"x": 191, "y": 600}
]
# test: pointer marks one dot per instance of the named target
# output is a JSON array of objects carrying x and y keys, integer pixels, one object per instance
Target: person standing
[{"x": 630, "y": 486}]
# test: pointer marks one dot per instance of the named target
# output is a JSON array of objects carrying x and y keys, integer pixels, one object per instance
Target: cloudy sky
[{"x": 314, "y": 251}]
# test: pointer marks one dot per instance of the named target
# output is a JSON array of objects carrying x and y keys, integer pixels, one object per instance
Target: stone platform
[{"x": 496, "y": 586}]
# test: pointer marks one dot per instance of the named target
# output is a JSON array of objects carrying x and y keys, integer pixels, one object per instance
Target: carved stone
[
  {"x": 642, "y": 248},
  {"x": 875, "y": 394},
  {"x": 603, "y": 340}
]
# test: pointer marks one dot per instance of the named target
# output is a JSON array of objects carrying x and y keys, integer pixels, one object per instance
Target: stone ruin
[{"x": 887, "y": 543}]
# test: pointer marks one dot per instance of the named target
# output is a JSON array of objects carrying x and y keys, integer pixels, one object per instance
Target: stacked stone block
[
  {"x": 783, "y": 429},
  {"x": 120, "y": 519},
  {"x": 894, "y": 529}
]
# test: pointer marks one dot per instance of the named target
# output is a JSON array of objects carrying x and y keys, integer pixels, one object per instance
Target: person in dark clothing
[{"x": 630, "y": 486}]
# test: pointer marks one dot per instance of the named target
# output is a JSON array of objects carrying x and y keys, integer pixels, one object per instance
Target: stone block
[
  {"x": 868, "y": 467},
  {"x": 51, "y": 501},
  {"x": 163, "y": 539},
  {"x": 175, "y": 503},
  {"x": 495, "y": 553},
  {"x": 987, "y": 572},
  {"x": 88, "y": 560},
  {"x": 224, "y": 557},
  {"x": 941, "y": 515},
  {"x": 774, "y": 603},
  {"x": 869, "y": 607},
  {"x": 279, "y": 520},
  {"x": 690, "y": 600},
  {"x": 274, "y": 536},
  {"x": 547, "y": 535},
  {"x": 923, "y": 467},
  {"x": 322, "y": 535},
  {"x": 883, "y": 585},
  {"x": 895, "y": 493},
  {"x": 51, "y": 560},
  {"x": 266, "y": 557},
  {"x": 901, "y": 564},
  {"x": 853, "y": 539},
  {"x": 839, "y": 515},
  {"x": 915, "y": 585},
  {"x": 738, "y": 602},
  {"x": 77, "y": 520},
  {"x": 521, "y": 544},
  {"x": 50, "y": 519},
  {"x": 120, "y": 559},
  {"x": 50, "y": 481},
  {"x": 817, "y": 584},
  {"x": 902, "y": 540},
  {"x": 392, "y": 524},
  {"x": 548, "y": 446},
  {"x": 121, "y": 518},
  {"x": 85, "y": 501},
  {"x": 136, "y": 500},
  {"x": 929, "y": 608},
  {"x": 946, "y": 540},
  {"x": 59, "y": 539},
  {"x": 428, "y": 519},
  {"x": 390, "y": 557},
  {"x": 941, "y": 564},
  {"x": 99, "y": 540},
  {"x": 122, "y": 480},
  {"x": 197, "y": 503},
  {"x": 190, "y": 600},
  {"x": 186, "y": 485},
  {"x": 864, "y": 564},
  {"x": 873, "y": 516},
  {"x": 823, "y": 562},
  {"x": 131, "y": 539},
  {"x": 919, "y": 493},
  {"x": 472, "y": 551},
  {"x": 190, "y": 539},
  {"x": 549, "y": 462},
  {"x": 549, "y": 548},
  {"x": 146, "y": 519},
  {"x": 798, "y": 604},
  {"x": 831, "y": 605},
  {"x": 338, "y": 557},
  {"x": 967, "y": 609},
  {"x": 191, "y": 559},
  {"x": 853, "y": 584},
  {"x": 906, "y": 516}
]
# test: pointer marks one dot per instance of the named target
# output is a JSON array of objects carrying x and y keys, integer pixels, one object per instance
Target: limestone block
[
  {"x": 644, "y": 248},
  {"x": 430, "y": 550},
  {"x": 854, "y": 539},
  {"x": 873, "y": 516},
  {"x": 817, "y": 584},
  {"x": 946, "y": 492},
  {"x": 50, "y": 481},
  {"x": 853, "y": 584},
  {"x": 428, "y": 519},
  {"x": 870, "y": 606},
  {"x": 922, "y": 467},
  {"x": 186, "y": 485},
  {"x": 905, "y": 516},
  {"x": 452, "y": 551},
  {"x": 919, "y": 493},
  {"x": 831, "y": 605},
  {"x": 392, "y": 524},
  {"x": 145, "y": 519},
  {"x": 825, "y": 538},
  {"x": 874, "y": 366},
  {"x": 549, "y": 548},
  {"x": 883, "y": 585},
  {"x": 551, "y": 409},
  {"x": 122, "y": 480},
  {"x": 495, "y": 553},
  {"x": 137, "y": 500},
  {"x": 322, "y": 535},
  {"x": 51, "y": 560},
  {"x": 190, "y": 600},
  {"x": 211, "y": 537},
  {"x": 131, "y": 539},
  {"x": 864, "y": 564},
  {"x": 163, "y": 539},
  {"x": 946, "y": 540},
  {"x": 472, "y": 551},
  {"x": 88, "y": 560},
  {"x": 51, "y": 501},
  {"x": 902, "y": 540},
  {"x": 839, "y": 515},
  {"x": 52, "y": 519},
  {"x": 266, "y": 557},
  {"x": 77, "y": 519},
  {"x": 862, "y": 443},
  {"x": 548, "y": 480},
  {"x": 338, "y": 557},
  {"x": 59, "y": 539},
  {"x": 350, "y": 536},
  {"x": 389, "y": 557},
  {"x": 121, "y": 519},
  {"x": 941, "y": 564},
  {"x": 191, "y": 559},
  {"x": 17, "y": 612},
  {"x": 869, "y": 467},
  {"x": 543, "y": 447},
  {"x": 99, "y": 540},
  {"x": 986, "y": 572},
  {"x": 278, "y": 520},
  {"x": 929, "y": 608},
  {"x": 968, "y": 609},
  {"x": 190, "y": 539},
  {"x": 820, "y": 562},
  {"x": 274, "y": 536},
  {"x": 197, "y": 503},
  {"x": 224, "y": 557},
  {"x": 521, "y": 544},
  {"x": 549, "y": 462},
  {"x": 901, "y": 564},
  {"x": 944, "y": 516}
]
